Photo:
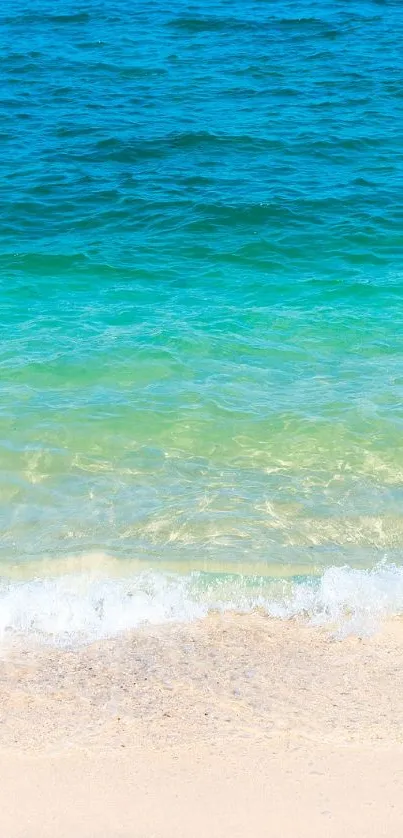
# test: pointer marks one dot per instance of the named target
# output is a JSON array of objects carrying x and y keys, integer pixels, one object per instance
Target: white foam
[
  {"x": 351, "y": 600},
  {"x": 82, "y": 607}
]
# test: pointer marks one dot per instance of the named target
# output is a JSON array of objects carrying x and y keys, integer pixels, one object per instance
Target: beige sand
[
  {"x": 242, "y": 791},
  {"x": 234, "y": 726}
]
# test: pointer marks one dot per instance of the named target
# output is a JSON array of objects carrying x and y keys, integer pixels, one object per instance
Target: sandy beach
[
  {"x": 234, "y": 725},
  {"x": 223, "y": 791}
]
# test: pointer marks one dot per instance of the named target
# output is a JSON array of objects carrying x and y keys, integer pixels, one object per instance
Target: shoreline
[
  {"x": 230, "y": 675},
  {"x": 233, "y": 725}
]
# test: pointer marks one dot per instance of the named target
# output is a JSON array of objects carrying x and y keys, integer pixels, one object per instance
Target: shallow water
[{"x": 201, "y": 345}]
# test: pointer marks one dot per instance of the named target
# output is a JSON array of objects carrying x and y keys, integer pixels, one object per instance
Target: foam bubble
[
  {"x": 353, "y": 601},
  {"x": 82, "y": 607}
]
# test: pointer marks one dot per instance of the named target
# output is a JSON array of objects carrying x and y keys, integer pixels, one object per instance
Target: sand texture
[{"x": 236, "y": 725}]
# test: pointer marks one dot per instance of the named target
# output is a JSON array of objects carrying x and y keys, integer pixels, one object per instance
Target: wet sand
[{"x": 235, "y": 725}]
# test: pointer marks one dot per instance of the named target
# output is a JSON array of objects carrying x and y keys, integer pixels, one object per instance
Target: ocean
[{"x": 201, "y": 288}]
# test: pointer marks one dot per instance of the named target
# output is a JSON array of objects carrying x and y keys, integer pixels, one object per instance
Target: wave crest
[{"x": 83, "y": 607}]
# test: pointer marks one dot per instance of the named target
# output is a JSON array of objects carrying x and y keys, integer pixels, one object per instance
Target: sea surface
[{"x": 201, "y": 312}]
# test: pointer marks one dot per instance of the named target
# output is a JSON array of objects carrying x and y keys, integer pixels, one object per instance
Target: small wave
[
  {"x": 82, "y": 607},
  {"x": 205, "y": 24},
  {"x": 43, "y": 263},
  {"x": 141, "y": 72},
  {"x": 300, "y": 21},
  {"x": 136, "y": 149},
  {"x": 77, "y": 17},
  {"x": 38, "y": 17}
]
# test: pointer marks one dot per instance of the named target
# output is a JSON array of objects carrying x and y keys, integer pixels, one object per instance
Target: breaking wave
[{"x": 82, "y": 607}]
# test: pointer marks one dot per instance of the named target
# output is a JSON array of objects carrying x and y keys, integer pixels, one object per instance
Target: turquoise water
[{"x": 201, "y": 346}]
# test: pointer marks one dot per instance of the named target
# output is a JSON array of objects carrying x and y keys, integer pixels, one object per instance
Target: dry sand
[
  {"x": 232, "y": 791},
  {"x": 234, "y": 726}
]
